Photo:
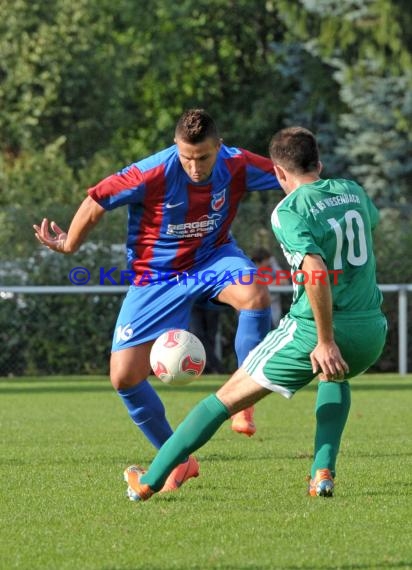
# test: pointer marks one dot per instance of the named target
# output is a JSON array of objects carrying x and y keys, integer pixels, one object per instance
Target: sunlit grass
[{"x": 66, "y": 441}]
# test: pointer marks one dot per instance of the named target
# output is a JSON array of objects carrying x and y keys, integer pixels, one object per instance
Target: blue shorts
[{"x": 164, "y": 304}]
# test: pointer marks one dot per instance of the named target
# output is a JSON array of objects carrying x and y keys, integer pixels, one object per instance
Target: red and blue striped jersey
[{"x": 175, "y": 224}]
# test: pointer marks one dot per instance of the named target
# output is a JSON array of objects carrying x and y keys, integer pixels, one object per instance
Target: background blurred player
[
  {"x": 333, "y": 328},
  {"x": 181, "y": 204},
  {"x": 262, "y": 258},
  {"x": 204, "y": 323}
]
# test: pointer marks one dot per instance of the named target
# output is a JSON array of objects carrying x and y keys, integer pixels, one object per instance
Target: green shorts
[{"x": 281, "y": 362}]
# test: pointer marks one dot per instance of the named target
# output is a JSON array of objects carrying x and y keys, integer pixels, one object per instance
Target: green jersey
[{"x": 333, "y": 218}]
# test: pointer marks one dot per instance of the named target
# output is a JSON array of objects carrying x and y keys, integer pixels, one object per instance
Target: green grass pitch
[{"x": 66, "y": 441}]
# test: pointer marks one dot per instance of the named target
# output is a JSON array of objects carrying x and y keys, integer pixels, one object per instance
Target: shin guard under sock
[
  {"x": 332, "y": 410},
  {"x": 195, "y": 430},
  {"x": 147, "y": 412}
]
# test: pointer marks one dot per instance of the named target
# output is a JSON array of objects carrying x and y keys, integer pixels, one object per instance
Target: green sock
[
  {"x": 195, "y": 430},
  {"x": 332, "y": 409}
]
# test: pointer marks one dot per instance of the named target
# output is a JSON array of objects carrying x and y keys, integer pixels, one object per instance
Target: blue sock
[
  {"x": 252, "y": 327},
  {"x": 147, "y": 412}
]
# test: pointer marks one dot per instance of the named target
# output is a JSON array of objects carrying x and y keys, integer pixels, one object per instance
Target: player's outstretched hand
[
  {"x": 327, "y": 359},
  {"x": 55, "y": 242}
]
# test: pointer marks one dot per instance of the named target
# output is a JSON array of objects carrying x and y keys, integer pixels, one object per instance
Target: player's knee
[
  {"x": 257, "y": 297},
  {"x": 130, "y": 366},
  {"x": 124, "y": 382},
  {"x": 121, "y": 381},
  {"x": 123, "y": 377}
]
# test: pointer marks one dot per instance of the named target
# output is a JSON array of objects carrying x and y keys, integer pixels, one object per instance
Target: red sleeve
[{"x": 125, "y": 187}]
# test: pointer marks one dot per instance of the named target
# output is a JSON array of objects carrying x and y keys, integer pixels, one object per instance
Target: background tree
[{"x": 90, "y": 86}]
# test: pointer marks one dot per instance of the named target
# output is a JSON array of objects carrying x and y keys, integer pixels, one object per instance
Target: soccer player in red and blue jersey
[
  {"x": 181, "y": 204},
  {"x": 334, "y": 331}
]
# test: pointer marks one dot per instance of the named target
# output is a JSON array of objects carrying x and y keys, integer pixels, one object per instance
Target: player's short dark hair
[
  {"x": 295, "y": 149},
  {"x": 196, "y": 125},
  {"x": 259, "y": 254}
]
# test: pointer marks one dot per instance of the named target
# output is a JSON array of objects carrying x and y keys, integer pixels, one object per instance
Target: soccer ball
[{"x": 177, "y": 357}]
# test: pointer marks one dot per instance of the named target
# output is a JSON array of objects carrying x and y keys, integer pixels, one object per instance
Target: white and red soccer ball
[{"x": 177, "y": 357}]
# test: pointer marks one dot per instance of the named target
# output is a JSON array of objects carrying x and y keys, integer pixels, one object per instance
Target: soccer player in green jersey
[{"x": 334, "y": 330}]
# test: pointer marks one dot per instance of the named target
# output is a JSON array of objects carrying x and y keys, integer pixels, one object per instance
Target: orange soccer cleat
[
  {"x": 322, "y": 484},
  {"x": 180, "y": 474},
  {"x": 242, "y": 422},
  {"x": 136, "y": 491}
]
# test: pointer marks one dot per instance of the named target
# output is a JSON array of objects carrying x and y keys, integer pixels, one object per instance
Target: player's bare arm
[
  {"x": 86, "y": 217},
  {"x": 326, "y": 357}
]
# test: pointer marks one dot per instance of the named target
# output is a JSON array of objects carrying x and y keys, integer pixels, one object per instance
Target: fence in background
[{"x": 402, "y": 291}]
